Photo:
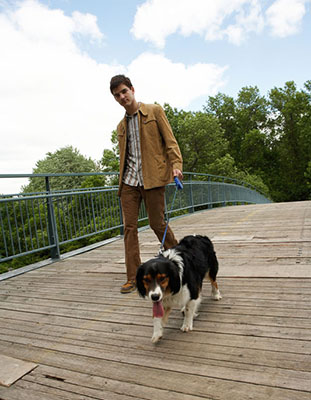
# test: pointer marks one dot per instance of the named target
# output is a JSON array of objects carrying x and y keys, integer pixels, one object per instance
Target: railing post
[
  {"x": 52, "y": 227},
  {"x": 93, "y": 212},
  {"x": 224, "y": 193},
  {"x": 209, "y": 194},
  {"x": 191, "y": 195}
]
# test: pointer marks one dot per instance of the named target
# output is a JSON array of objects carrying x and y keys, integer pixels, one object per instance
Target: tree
[
  {"x": 251, "y": 117},
  {"x": 200, "y": 137},
  {"x": 64, "y": 160},
  {"x": 224, "y": 108},
  {"x": 255, "y": 152},
  {"x": 244, "y": 125},
  {"x": 291, "y": 110},
  {"x": 110, "y": 159},
  {"x": 308, "y": 178}
]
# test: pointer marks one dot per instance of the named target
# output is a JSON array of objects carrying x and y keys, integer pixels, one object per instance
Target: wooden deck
[{"x": 91, "y": 342}]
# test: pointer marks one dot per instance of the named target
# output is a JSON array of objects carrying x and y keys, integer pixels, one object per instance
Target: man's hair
[{"x": 119, "y": 80}]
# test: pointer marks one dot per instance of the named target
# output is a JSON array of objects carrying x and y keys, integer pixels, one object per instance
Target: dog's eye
[
  {"x": 162, "y": 278},
  {"x": 147, "y": 280}
]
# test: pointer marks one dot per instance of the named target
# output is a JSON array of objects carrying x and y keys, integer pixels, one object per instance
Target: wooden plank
[
  {"x": 208, "y": 312},
  {"x": 221, "y": 355},
  {"x": 250, "y": 341},
  {"x": 109, "y": 315},
  {"x": 259, "y": 375},
  {"x": 93, "y": 342},
  {"x": 12, "y": 369},
  {"x": 92, "y": 331},
  {"x": 101, "y": 388},
  {"x": 160, "y": 378}
]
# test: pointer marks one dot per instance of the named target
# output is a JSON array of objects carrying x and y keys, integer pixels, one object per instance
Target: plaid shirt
[{"x": 133, "y": 170}]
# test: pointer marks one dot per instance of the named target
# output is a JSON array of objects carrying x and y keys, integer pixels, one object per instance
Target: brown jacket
[{"x": 160, "y": 152}]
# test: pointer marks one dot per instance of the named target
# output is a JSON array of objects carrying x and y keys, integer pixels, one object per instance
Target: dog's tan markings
[
  {"x": 215, "y": 291},
  {"x": 166, "y": 315},
  {"x": 147, "y": 281},
  {"x": 213, "y": 283},
  {"x": 163, "y": 280}
]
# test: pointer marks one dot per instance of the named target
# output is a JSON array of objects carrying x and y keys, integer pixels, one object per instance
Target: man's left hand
[{"x": 178, "y": 173}]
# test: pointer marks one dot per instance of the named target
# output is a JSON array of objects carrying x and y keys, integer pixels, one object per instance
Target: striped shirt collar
[
  {"x": 133, "y": 165},
  {"x": 132, "y": 115}
]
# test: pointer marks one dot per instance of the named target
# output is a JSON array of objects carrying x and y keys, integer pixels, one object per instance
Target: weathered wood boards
[{"x": 91, "y": 342}]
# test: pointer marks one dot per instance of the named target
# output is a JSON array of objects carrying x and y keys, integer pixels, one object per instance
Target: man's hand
[{"x": 178, "y": 173}]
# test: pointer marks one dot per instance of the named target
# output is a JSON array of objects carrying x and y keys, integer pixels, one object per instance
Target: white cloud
[
  {"x": 285, "y": 16},
  {"x": 53, "y": 94},
  {"x": 86, "y": 24},
  {"x": 232, "y": 20},
  {"x": 155, "y": 20},
  {"x": 178, "y": 84}
]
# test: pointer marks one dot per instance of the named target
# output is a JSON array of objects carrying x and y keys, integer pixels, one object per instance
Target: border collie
[{"x": 175, "y": 278}]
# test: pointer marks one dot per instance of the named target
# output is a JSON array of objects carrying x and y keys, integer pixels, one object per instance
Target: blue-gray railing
[{"x": 34, "y": 222}]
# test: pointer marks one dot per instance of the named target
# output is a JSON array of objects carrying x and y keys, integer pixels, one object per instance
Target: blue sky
[{"x": 57, "y": 57}]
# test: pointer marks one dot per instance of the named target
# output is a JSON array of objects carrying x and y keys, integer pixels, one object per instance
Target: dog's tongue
[{"x": 158, "y": 310}]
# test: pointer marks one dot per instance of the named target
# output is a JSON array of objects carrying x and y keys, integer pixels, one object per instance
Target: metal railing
[{"x": 34, "y": 222}]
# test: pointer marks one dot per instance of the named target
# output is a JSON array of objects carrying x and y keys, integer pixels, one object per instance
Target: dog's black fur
[{"x": 176, "y": 278}]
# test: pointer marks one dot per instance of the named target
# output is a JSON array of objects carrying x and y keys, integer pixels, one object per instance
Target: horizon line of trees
[{"x": 264, "y": 141}]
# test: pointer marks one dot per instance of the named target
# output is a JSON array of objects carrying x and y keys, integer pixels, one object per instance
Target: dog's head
[{"x": 158, "y": 277}]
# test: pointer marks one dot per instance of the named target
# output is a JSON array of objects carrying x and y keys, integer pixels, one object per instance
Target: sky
[{"x": 57, "y": 58}]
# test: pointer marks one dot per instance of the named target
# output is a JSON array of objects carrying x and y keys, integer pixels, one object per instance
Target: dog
[{"x": 175, "y": 278}]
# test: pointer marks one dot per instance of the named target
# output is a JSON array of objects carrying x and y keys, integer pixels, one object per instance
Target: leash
[{"x": 179, "y": 186}]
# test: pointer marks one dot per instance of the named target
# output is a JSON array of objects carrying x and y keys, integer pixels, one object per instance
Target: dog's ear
[
  {"x": 139, "y": 280},
  {"x": 174, "y": 277}
]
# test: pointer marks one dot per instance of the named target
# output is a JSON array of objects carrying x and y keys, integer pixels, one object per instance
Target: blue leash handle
[{"x": 179, "y": 186}]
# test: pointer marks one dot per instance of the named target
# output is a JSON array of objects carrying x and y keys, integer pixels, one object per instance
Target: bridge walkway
[{"x": 87, "y": 341}]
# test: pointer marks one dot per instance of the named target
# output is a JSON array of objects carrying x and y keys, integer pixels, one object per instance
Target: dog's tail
[
  {"x": 213, "y": 265},
  {"x": 211, "y": 259}
]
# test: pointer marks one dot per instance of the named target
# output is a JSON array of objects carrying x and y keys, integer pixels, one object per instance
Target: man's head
[
  {"x": 119, "y": 80},
  {"x": 123, "y": 91}
]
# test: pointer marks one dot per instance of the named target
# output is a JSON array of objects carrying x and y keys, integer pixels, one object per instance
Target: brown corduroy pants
[{"x": 154, "y": 199}]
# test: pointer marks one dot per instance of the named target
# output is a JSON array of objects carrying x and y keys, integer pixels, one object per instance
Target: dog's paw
[
  {"x": 186, "y": 327},
  {"x": 156, "y": 338},
  {"x": 216, "y": 296}
]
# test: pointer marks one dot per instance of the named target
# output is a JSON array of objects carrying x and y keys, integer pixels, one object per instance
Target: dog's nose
[{"x": 155, "y": 297}]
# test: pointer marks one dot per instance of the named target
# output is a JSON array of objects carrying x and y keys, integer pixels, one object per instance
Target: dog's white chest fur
[{"x": 179, "y": 299}]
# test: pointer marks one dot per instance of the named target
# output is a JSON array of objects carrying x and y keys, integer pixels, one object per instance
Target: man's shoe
[{"x": 128, "y": 287}]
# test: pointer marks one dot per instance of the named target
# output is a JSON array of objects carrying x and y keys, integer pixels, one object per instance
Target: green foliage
[
  {"x": 269, "y": 138},
  {"x": 110, "y": 159},
  {"x": 25, "y": 224},
  {"x": 205, "y": 142},
  {"x": 64, "y": 160},
  {"x": 307, "y": 175},
  {"x": 224, "y": 109},
  {"x": 224, "y": 166},
  {"x": 95, "y": 181},
  {"x": 291, "y": 110},
  {"x": 200, "y": 137}
]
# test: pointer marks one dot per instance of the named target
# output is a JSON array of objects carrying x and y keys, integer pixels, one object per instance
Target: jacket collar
[{"x": 142, "y": 110}]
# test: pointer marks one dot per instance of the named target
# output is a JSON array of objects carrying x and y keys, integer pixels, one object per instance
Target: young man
[{"x": 149, "y": 160}]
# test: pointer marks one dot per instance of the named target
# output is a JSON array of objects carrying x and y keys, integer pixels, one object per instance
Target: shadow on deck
[{"x": 91, "y": 342}]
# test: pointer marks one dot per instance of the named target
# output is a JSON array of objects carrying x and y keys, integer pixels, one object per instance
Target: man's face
[{"x": 124, "y": 95}]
